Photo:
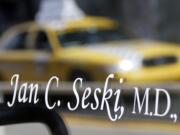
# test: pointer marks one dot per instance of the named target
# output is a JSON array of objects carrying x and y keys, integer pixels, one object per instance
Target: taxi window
[
  {"x": 42, "y": 42},
  {"x": 91, "y": 37},
  {"x": 16, "y": 41}
]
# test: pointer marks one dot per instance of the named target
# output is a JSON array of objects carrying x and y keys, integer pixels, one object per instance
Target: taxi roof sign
[{"x": 58, "y": 10}]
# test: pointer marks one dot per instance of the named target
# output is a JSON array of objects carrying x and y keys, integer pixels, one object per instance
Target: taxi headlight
[
  {"x": 126, "y": 65},
  {"x": 123, "y": 66}
]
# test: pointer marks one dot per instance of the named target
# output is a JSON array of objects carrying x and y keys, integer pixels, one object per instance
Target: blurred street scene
[{"x": 134, "y": 43}]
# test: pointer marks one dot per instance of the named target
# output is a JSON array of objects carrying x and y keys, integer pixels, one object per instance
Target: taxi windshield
[{"x": 91, "y": 36}]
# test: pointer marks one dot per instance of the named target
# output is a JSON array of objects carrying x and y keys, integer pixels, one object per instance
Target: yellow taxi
[{"x": 90, "y": 47}]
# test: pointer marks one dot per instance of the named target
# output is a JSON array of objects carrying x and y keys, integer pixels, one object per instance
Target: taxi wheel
[{"x": 80, "y": 74}]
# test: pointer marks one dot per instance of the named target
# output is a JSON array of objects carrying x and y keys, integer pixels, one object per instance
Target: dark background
[{"x": 152, "y": 19}]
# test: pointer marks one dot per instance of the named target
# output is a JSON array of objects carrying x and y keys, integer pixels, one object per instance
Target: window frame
[{"x": 33, "y": 34}]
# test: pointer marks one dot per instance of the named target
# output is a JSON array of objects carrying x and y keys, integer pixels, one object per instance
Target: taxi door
[{"x": 25, "y": 53}]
